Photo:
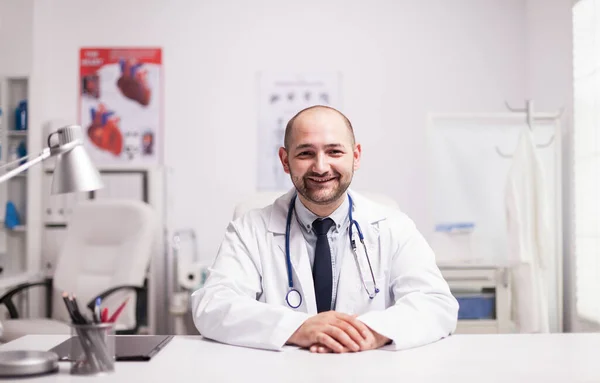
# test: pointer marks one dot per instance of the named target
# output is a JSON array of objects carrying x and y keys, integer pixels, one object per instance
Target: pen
[
  {"x": 97, "y": 310},
  {"x": 104, "y": 315},
  {"x": 116, "y": 314}
]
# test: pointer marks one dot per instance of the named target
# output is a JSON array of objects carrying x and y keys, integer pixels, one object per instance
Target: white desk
[{"x": 460, "y": 358}]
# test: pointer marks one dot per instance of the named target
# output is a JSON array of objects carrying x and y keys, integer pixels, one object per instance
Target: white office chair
[
  {"x": 107, "y": 251},
  {"x": 262, "y": 199}
]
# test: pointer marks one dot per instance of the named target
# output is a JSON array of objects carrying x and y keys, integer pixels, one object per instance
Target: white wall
[
  {"x": 549, "y": 70},
  {"x": 16, "y": 17},
  {"x": 399, "y": 60}
]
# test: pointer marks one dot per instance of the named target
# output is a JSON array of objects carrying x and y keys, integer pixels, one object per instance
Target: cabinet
[
  {"x": 14, "y": 143},
  {"x": 490, "y": 280}
]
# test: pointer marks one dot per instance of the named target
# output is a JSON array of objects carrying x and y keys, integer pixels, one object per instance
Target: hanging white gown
[{"x": 530, "y": 238}]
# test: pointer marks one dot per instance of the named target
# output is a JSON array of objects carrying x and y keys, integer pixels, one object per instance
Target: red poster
[{"x": 120, "y": 105}]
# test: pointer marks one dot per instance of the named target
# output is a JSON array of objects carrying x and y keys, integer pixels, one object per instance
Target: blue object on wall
[{"x": 11, "y": 217}]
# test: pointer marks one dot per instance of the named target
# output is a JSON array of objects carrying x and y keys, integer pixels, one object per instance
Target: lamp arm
[{"x": 41, "y": 157}]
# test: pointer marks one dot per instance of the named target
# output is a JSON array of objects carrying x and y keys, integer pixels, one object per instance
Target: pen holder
[{"x": 92, "y": 348}]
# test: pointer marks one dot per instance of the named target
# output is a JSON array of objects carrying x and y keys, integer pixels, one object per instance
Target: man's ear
[
  {"x": 284, "y": 158},
  {"x": 357, "y": 154}
]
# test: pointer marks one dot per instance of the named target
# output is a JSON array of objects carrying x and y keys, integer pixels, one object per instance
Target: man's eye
[
  {"x": 304, "y": 154},
  {"x": 337, "y": 152}
]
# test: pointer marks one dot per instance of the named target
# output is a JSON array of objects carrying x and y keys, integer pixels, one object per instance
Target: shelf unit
[
  {"x": 476, "y": 278},
  {"x": 13, "y": 242}
]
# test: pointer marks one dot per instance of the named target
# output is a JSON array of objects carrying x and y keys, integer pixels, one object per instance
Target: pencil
[{"x": 65, "y": 298}]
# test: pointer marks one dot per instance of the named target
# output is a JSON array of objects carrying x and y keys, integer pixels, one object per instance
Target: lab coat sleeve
[
  {"x": 424, "y": 310},
  {"x": 226, "y": 308}
]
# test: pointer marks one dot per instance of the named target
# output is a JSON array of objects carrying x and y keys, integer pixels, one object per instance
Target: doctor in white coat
[{"x": 319, "y": 294}]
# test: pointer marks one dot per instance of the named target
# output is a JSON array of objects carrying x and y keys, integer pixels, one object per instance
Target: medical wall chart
[
  {"x": 120, "y": 105},
  {"x": 281, "y": 96}
]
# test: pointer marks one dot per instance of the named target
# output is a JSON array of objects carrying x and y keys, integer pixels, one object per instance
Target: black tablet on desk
[{"x": 133, "y": 348}]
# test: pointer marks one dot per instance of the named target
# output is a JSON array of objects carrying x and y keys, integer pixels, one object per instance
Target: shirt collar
[{"x": 307, "y": 217}]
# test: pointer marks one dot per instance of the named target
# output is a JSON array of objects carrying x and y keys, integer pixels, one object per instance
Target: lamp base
[{"x": 19, "y": 363}]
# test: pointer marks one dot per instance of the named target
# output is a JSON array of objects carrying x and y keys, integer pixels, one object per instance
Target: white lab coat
[
  {"x": 530, "y": 239},
  {"x": 243, "y": 299}
]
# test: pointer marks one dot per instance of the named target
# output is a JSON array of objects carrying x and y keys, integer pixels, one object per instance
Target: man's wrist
[
  {"x": 380, "y": 340},
  {"x": 288, "y": 326},
  {"x": 292, "y": 338},
  {"x": 383, "y": 340}
]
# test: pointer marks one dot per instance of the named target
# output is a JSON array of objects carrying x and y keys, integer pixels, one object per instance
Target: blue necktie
[{"x": 322, "y": 272}]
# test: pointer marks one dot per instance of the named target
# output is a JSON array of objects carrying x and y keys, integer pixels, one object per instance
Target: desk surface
[{"x": 460, "y": 358}]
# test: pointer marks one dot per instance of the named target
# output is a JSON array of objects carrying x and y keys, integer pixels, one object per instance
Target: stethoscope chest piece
[{"x": 293, "y": 298}]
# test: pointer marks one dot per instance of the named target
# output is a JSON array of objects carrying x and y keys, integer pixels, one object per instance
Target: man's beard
[{"x": 317, "y": 195}]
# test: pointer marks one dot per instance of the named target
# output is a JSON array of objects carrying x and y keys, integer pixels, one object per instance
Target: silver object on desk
[
  {"x": 93, "y": 348},
  {"x": 26, "y": 363}
]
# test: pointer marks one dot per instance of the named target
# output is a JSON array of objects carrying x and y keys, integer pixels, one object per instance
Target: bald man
[{"x": 324, "y": 268}]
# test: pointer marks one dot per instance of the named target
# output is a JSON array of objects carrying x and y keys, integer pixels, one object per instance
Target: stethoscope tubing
[{"x": 288, "y": 260}]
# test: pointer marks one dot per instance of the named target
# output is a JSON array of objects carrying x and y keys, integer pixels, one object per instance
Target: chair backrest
[
  {"x": 108, "y": 243},
  {"x": 262, "y": 199}
]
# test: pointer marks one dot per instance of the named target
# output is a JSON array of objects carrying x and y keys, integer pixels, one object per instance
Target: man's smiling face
[{"x": 321, "y": 156}]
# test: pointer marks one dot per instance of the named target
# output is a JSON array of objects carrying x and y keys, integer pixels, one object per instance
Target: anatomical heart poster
[{"x": 120, "y": 105}]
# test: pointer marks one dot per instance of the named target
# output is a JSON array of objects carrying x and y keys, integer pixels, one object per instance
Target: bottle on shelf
[
  {"x": 22, "y": 151},
  {"x": 13, "y": 153},
  {"x": 21, "y": 116}
]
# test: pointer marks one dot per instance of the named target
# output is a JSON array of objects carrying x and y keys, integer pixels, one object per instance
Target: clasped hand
[{"x": 337, "y": 332}]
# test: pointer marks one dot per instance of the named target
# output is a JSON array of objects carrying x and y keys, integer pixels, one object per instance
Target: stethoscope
[{"x": 293, "y": 296}]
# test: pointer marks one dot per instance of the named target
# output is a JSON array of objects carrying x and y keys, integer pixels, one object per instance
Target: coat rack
[
  {"x": 530, "y": 119},
  {"x": 468, "y": 130}
]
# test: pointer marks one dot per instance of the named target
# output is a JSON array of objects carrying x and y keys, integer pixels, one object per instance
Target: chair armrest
[
  {"x": 6, "y": 299},
  {"x": 108, "y": 292}
]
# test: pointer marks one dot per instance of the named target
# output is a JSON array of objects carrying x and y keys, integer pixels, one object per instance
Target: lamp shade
[{"x": 74, "y": 170}]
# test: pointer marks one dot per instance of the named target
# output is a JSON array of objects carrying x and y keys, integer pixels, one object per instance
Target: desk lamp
[{"x": 74, "y": 172}]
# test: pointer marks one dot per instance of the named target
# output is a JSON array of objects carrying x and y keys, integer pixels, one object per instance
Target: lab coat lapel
[
  {"x": 302, "y": 272},
  {"x": 350, "y": 288},
  {"x": 368, "y": 216},
  {"x": 348, "y": 283}
]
